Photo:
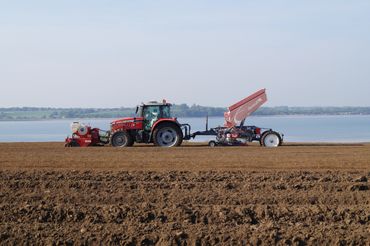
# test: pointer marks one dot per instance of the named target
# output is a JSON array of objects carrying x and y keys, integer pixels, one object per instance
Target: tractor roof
[{"x": 155, "y": 103}]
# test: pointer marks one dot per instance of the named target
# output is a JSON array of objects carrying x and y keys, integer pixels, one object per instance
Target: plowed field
[{"x": 191, "y": 195}]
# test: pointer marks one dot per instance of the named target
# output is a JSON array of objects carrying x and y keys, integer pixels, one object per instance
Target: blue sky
[{"x": 120, "y": 53}]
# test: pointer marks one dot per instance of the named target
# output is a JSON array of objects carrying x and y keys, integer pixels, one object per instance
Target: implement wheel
[
  {"x": 167, "y": 135},
  {"x": 122, "y": 139},
  {"x": 271, "y": 139},
  {"x": 73, "y": 143},
  {"x": 212, "y": 144}
]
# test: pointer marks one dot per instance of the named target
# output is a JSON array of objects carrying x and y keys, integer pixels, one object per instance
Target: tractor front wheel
[
  {"x": 122, "y": 139},
  {"x": 167, "y": 135}
]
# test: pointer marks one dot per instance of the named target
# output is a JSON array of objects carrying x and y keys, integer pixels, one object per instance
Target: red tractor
[{"x": 153, "y": 124}]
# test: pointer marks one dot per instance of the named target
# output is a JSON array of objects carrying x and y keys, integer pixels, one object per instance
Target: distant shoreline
[
  {"x": 195, "y": 117},
  {"x": 180, "y": 111}
]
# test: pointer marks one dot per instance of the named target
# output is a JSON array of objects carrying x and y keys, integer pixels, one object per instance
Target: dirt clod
[
  {"x": 359, "y": 187},
  {"x": 361, "y": 179}
]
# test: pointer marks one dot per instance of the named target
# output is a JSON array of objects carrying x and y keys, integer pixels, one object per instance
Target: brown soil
[{"x": 193, "y": 195}]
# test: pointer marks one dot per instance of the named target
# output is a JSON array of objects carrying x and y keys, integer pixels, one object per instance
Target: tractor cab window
[
  {"x": 139, "y": 111},
  {"x": 151, "y": 114},
  {"x": 166, "y": 112}
]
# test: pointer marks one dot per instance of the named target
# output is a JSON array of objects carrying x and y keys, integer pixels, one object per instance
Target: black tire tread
[
  {"x": 130, "y": 140},
  {"x": 168, "y": 124}
]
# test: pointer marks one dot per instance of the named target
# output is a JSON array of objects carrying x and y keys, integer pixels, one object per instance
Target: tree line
[{"x": 179, "y": 110}]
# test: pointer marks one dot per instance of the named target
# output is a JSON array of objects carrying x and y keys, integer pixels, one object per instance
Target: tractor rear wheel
[
  {"x": 271, "y": 139},
  {"x": 122, "y": 139},
  {"x": 167, "y": 135}
]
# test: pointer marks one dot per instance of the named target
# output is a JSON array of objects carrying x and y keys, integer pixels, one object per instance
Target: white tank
[{"x": 79, "y": 128}]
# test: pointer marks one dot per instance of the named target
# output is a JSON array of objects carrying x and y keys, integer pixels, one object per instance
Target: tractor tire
[
  {"x": 122, "y": 139},
  {"x": 262, "y": 136},
  {"x": 271, "y": 139},
  {"x": 167, "y": 135}
]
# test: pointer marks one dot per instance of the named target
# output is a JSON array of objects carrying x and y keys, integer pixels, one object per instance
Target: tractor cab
[{"x": 151, "y": 112}]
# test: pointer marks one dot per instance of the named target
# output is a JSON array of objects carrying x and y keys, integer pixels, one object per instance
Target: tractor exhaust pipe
[{"x": 207, "y": 122}]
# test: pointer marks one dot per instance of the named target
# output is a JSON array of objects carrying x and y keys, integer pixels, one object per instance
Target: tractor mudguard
[{"x": 172, "y": 120}]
